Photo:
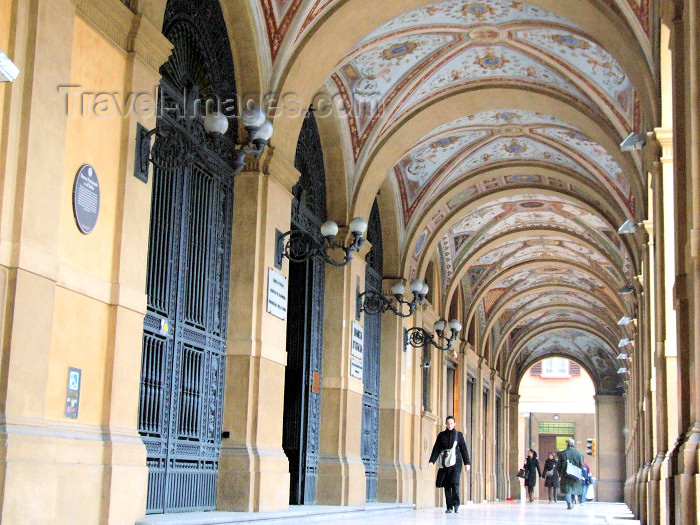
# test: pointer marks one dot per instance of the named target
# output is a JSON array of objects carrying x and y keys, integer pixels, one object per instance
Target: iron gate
[
  {"x": 184, "y": 340},
  {"x": 371, "y": 358},
  {"x": 302, "y": 393},
  {"x": 184, "y": 337}
]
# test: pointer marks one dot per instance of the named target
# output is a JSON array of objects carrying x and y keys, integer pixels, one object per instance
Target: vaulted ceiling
[{"x": 497, "y": 124}]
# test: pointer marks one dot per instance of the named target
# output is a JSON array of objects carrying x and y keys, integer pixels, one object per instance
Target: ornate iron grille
[
  {"x": 184, "y": 339},
  {"x": 302, "y": 401},
  {"x": 372, "y": 351}
]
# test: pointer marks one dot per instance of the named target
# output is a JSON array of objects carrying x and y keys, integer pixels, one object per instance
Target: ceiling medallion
[
  {"x": 515, "y": 147},
  {"x": 576, "y": 135},
  {"x": 510, "y": 130},
  {"x": 531, "y": 204},
  {"x": 484, "y": 35},
  {"x": 478, "y": 10},
  {"x": 398, "y": 51},
  {"x": 442, "y": 142},
  {"x": 571, "y": 41},
  {"x": 491, "y": 61}
]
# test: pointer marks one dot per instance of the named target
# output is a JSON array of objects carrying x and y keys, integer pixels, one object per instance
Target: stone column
[
  {"x": 667, "y": 352},
  {"x": 610, "y": 410},
  {"x": 691, "y": 447},
  {"x": 253, "y": 468},
  {"x": 513, "y": 456},
  {"x": 395, "y": 473},
  {"x": 341, "y": 473}
]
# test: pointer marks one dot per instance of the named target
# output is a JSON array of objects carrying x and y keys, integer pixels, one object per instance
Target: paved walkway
[{"x": 485, "y": 513}]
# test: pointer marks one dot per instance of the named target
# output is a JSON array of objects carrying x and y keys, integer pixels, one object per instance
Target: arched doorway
[
  {"x": 184, "y": 337},
  {"x": 372, "y": 351},
  {"x": 302, "y": 392}
]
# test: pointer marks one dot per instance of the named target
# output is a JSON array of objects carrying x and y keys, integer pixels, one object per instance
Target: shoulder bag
[
  {"x": 572, "y": 471},
  {"x": 448, "y": 457}
]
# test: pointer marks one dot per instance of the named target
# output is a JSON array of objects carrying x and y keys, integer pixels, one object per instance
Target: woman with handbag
[
  {"x": 532, "y": 472},
  {"x": 450, "y": 452},
  {"x": 551, "y": 477}
]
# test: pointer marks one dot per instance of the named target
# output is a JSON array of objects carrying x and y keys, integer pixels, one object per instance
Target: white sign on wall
[
  {"x": 356, "y": 368},
  {"x": 276, "y": 294},
  {"x": 358, "y": 337},
  {"x": 357, "y": 350}
]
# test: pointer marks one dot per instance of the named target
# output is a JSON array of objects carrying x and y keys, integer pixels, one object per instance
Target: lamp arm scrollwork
[
  {"x": 299, "y": 246},
  {"x": 419, "y": 337},
  {"x": 375, "y": 303}
]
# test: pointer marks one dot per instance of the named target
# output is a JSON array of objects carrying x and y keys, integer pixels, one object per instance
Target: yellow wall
[
  {"x": 82, "y": 324},
  {"x": 92, "y": 139}
]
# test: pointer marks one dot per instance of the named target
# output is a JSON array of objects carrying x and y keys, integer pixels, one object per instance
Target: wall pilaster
[
  {"x": 610, "y": 411},
  {"x": 253, "y": 468}
]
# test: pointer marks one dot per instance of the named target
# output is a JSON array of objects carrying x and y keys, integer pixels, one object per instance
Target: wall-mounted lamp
[
  {"x": 555, "y": 417},
  {"x": 419, "y": 337},
  {"x": 624, "y": 342},
  {"x": 622, "y": 370},
  {"x": 8, "y": 70},
  {"x": 627, "y": 289},
  {"x": 299, "y": 245},
  {"x": 622, "y": 356},
  {"x": 633, "y": 141},
  {"x": 629, "y": 226},
  {"x": 375, "y": 303},
  {"x": 182, "y": 148},
  {"x": 625, "y": 320}
]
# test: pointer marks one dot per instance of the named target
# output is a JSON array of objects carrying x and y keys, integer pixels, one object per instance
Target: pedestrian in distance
[
  {"x": 571, "y": 486},
  {"x": 532, "y": 472},
  {"x": 450, "y": 451},
  {"x": 550, "y": 475},
  {"x": 586, "y": 482}
]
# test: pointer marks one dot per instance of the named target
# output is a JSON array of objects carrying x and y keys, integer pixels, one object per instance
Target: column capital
[
  {"x": 273, "y": 163},
  {"x": 664, "y": 137}
]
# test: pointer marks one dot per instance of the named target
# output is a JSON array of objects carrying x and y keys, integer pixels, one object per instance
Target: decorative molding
[
  {"x": 127, "y": 31},
  {"x": 664, "y": 137},
  {"x": 111, "y": 18},
  {"x": 149, "y": 43},
  {"x": 274, "y": 164}
]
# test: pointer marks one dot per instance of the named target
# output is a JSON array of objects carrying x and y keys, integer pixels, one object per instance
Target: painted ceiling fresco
[
  {"x": 455, "y": 44},
  {"x": 519, "y": 209},
  {"x": 455, "y": 151},
  {"x": 514, "y": 213},
  {"x": 586, "y": 347}
]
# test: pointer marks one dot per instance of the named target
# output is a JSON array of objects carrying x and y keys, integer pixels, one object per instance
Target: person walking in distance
[
  {"x": 586, "y": 481},
  {"x": 532, "y": 472},
  {"x": 449, "y": 441},
  {"x": 551, "y": 477},
  {"x": 570, "y": 486}
]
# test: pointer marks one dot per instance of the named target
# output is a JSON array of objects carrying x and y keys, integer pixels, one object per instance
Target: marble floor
[{"x": 486, "y": 513}]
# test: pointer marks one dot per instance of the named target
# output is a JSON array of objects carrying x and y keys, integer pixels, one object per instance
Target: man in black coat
[{"x": 449, "y": 477}]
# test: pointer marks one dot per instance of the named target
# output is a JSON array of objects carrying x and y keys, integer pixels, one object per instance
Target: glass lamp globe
[
  {"x": 253, "y": 116},
  {"x": 416, "y": 286},
  {"x": 358, "y": 225},
  {"x": 216, "y": 122},
  {"x": 398, "y": 289},
  {"x": 329, "y": 229}
]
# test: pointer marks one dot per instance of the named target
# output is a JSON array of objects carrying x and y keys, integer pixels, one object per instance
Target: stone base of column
[
  {"x": 60, "y": 471},
  {"x": 341, "y": 481},
  {"x": 427, "y": 495},
  {"x": 255, "y": 480},
  {"x": 395, "y": 483}
]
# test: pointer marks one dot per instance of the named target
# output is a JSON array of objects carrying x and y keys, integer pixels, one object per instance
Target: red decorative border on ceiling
[{"x": 275, "y": 31}]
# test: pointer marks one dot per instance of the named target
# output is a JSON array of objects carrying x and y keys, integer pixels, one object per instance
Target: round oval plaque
[{"x": 86, "y": 198}]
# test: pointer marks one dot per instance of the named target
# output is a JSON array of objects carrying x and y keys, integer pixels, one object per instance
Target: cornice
[
  {"x": 664, "y": 136},
  {"x": 127, "y": 31}
]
